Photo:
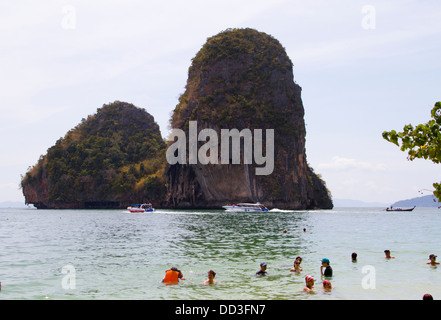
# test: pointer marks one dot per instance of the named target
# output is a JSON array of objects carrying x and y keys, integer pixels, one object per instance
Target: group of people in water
[{"x": 174, "y": 275}]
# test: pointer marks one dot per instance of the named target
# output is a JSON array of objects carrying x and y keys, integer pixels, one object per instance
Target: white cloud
[{"x": 342, "y": 164}]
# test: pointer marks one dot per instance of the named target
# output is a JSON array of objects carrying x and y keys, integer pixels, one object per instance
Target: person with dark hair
[
  {"x": 296, "y": 267},
  {"x": 427, "y": 296},
  {"x": 262, "y": 271},
  {"x": 211, "y": 275},
  {"x": 354, "y": 257},
  {"x": 387, "y": 254},
  {"x": 173, "y": 275}
]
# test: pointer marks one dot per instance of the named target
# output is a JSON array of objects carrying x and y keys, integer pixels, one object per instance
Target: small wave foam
[{"x": 280, "y": 210}]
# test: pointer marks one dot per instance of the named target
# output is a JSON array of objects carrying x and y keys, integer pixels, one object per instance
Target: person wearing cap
[
  {"x": 328, "y": 270},
  {"x": 262, "y": 271},
  {"x": 432, "y": 259},
  {"x": 327, "y": 286},
  {"x": 309, "y": 284}
]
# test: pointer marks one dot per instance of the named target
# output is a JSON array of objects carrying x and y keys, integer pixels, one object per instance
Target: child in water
[
  {"x": 262, "y": 271},
  {"x": 387, "y": 254},
  {"x": 211, "y": 275},
  {"x": 309, "y": 288},
  {"x": 327, "y": 272},
  {"x": 327, "y": 286},
  {"x": 432, "y": 259},
  {"x": 354, "y": 257}
]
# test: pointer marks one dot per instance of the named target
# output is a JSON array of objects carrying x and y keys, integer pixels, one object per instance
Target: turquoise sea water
[{"x": 114, "y": 254}]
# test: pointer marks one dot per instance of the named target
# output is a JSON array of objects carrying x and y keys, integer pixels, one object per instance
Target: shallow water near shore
[{"x": 114, "y": 254}]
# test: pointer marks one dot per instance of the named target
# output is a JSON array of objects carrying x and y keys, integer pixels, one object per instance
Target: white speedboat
[
  {"x": 246, "y": 207},
  {"x": 143, "y": 207}
]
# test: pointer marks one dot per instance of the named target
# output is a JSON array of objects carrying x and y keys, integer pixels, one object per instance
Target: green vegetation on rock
[
  {"x": 243, "y": 79},
  {"x": 234, "y": 79},
  {"x": 112, "y": 158},
  {"x": 240, "y": 79}
]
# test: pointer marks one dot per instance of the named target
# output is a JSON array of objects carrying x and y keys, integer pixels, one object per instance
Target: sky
[{"x": 364, "y": 67}]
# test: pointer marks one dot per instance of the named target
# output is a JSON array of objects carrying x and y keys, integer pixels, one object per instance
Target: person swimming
[
  {"x": 309, "y": 288},
  {"x": 387, "y": 254},
  {"x": 432, "y": 259},
  {"x": 328, "y": 269},
  {"x": 173, "y": 275},
  {"x": 354, "y": 257},
  {"x": 327, "y": 286},
  {"x": 297, "y": 267},
  {"x": 262, "y": 271},
  {"x": 211, "y": 275}
]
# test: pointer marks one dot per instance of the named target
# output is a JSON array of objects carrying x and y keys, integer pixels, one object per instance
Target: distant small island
[
  {"x": 425, "y": 201},
  {"x": 428, "y": 201}
]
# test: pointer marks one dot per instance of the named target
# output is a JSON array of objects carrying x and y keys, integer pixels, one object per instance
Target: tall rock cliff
[
  {"x": 243, "y": 79},
  {"x": 111, "y": 159}
]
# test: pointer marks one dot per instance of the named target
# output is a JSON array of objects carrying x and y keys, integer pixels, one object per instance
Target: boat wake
[{"x": 280, "y": 210}]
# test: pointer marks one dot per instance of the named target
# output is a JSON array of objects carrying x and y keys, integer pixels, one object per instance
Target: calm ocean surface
[{"x": 114, "y": 254}]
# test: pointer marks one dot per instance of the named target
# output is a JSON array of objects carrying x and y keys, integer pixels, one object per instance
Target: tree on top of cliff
[
  {"x": 233, "y": 43},
  {"x": 233, "y": 81},
  {"x": 115, "y": 155}
]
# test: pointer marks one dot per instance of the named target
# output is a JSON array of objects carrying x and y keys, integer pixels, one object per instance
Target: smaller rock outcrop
[{"x": 111, "y": 159}]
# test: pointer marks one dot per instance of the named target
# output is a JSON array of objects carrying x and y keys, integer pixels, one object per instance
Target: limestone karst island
[{"x": 240, "y": 79}]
